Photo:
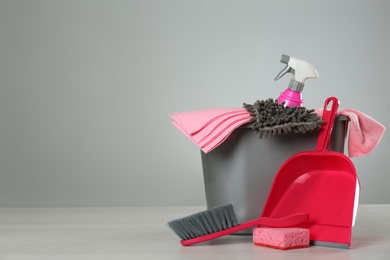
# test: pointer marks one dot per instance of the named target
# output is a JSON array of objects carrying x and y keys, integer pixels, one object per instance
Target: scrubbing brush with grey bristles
[
  {"x": 271, "y": 118},
  {"x": 221, "y": 221}
]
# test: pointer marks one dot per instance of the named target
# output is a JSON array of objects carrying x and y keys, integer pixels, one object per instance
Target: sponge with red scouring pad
[{"x": 281, "y": 238}]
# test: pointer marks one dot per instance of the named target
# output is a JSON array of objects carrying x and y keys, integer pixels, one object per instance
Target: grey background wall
[{"x": 86, "y": 88}]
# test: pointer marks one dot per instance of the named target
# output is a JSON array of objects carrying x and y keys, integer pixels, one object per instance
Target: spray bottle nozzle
[
  {"x": 286, "y": 69},
  {"x": 285, "y": 59},
  {"x": 301, "y": 71}
]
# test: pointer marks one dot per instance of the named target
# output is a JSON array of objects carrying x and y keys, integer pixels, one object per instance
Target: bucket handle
[{"x": 328, "y": 116}]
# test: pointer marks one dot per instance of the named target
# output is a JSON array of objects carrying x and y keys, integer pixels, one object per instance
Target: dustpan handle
[{"x": 328, "y": 116}]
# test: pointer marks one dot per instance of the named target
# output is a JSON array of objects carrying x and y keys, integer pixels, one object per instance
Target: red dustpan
[{"x": 322, "y": 183}]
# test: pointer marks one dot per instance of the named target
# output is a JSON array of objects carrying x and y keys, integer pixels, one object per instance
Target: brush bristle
[{"x": 205, "y": 222}]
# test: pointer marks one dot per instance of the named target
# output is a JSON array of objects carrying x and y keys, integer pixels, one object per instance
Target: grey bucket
[{"x": 241, "y": 170}]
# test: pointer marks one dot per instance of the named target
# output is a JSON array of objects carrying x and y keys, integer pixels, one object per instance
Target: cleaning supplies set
[{"x": 297, "y": 185}]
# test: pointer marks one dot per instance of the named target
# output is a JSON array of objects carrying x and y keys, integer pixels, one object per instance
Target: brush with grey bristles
[
  {"x": 220, "y": 221},
  {"x": 271, "y": 118}
]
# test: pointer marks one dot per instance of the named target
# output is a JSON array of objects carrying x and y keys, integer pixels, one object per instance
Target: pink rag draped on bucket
[
  {"x": 364, "y": 132},
  {"x": 208, "y": 128}
]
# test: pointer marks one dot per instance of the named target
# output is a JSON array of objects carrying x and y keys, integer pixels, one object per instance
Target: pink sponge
[{"x": 281, "y": 238}]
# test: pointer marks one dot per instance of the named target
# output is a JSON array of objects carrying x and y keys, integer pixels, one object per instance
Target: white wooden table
[{"x": 142, "y": 233}]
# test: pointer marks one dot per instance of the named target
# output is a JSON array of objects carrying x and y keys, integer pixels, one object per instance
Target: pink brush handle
[
  {"x": 288, "y": 221},
  {"x": 328, "y": 115}
]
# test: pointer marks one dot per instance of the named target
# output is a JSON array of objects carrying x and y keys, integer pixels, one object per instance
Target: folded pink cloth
[
  {"x": 364, "y": 133},
  {"x": 222, "y": 137},
  {"x": 224, "y": 128},
  {"x": 194, "y": 121},
  {"x": 208, "y": 128},
  {"x": 216, "y": 126}
]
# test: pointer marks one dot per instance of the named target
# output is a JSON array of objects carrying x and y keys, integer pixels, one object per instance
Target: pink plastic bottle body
[{"x": 291, "y": 97}]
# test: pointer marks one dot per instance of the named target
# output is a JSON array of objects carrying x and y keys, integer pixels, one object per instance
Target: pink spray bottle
[{"x": 301, "y": 71}]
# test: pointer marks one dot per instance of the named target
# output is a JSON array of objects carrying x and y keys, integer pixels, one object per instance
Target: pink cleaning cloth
[
  {"x": 194, "y": 121},
  {"x": 223, "y": 128},
  {"x": 215, "y": 126},
  {"x": 208, "y": 128},
  {"x": 218, "y": 139},
  {"x": 365, "y": 132},
  {"x": 222, "y": 137},
  {"x": 178, "y": 126}
]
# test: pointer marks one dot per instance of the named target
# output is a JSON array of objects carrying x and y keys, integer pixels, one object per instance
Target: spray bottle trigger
[{"x": 284, "y": 71}]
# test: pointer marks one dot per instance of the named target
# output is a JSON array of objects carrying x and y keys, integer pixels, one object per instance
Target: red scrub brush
[{"x": 221, "y": 221}]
